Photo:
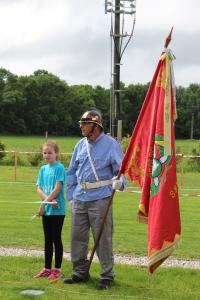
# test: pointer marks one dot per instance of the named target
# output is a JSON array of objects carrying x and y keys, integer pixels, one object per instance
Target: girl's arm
[
  {"x": 53, "y": 195},
  {"x": 50, "y": 198},
  {"x": 41, "y": 193}
]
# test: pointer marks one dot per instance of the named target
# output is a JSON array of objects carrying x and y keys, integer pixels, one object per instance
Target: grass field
[
  {"x": 186, "y": 146},
  {"x": 17, "y": 206},
  {"x": 17, "y": 230},
  {"x": 33, "y": 143},
  {"x": 130, "y": 283}
]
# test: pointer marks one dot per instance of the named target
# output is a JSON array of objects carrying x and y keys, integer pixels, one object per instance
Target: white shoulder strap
[{"x": 91, "y": 162}]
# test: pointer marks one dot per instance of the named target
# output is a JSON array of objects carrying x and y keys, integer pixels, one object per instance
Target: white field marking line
[
  {"x": 185, "y": 195},
  {"x": 180, "y": 189},
  {"x": 27, "y": 202},
  {"x": 128, "y": 190},
  {"x": 36, "y": 152},
  {"x": 132, "y": 191},
  {"x": 17, "y": 182}
]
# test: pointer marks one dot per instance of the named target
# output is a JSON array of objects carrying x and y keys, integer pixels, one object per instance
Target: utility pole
[
  {"x": 116, "y": 112},
  {"x": 118, "y": 9},
  {"x": 193, "y": 109},
  {"x": 192, "y": 126}
]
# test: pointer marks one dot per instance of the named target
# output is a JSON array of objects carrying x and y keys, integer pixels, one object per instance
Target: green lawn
[
  {"x": 33, "y": 143},
  {"x": 17, "y": 230},
  {"x": 23, "y": 174},
  {"x": 17, "y": 206},
  {"x": 186, "y": 146},
  {"x": 16, "y": 275}
]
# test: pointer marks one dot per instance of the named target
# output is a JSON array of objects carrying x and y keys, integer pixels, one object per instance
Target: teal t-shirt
[{"x": 47, "y": 178}]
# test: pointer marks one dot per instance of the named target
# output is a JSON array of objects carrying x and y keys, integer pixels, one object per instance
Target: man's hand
[{"x": 117, "y": 183}]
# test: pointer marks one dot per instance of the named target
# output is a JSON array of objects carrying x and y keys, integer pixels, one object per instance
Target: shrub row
[
  {"x": 29, "y": 159},
  {"x": 35, "y": 159}
]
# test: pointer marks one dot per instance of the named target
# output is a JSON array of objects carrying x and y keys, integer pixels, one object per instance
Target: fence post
[
  {"x": 182, "y": 169},
  {"x": 15, "y": 165}
]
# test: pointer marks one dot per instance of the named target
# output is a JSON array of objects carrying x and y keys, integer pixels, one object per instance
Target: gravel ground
[{"x": 119, "y": 259}]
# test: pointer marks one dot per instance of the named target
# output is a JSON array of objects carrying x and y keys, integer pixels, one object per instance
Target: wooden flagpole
[{"x": 101, "y": 228}]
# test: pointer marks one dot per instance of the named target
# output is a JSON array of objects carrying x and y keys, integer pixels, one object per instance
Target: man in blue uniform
[{"x": 95, "y": 162}]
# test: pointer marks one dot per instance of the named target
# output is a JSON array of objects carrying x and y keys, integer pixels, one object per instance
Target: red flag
[{"x": 151, "y": 163}]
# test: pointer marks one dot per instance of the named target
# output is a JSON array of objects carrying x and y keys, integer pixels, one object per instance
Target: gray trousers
[{"x": 86, "y": 215}]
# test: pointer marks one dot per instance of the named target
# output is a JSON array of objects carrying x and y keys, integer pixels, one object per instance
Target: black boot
[
  {"x": 76, "y": 279},
  {"x": 104, "y": 284}
]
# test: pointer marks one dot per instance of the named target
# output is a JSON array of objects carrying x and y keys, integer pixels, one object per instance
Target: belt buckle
[{"x": 84, "y": 185}]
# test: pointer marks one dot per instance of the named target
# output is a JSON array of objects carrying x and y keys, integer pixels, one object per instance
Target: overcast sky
[{"x": 70, "y": 38}]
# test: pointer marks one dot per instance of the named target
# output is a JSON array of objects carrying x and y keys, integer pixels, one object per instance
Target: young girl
[{"x": 50, "y": 188}]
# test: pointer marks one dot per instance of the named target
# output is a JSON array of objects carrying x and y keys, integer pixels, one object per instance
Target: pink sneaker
[
  {"x": 43, "y": 273},
  {"x": 55, "y": 273}
]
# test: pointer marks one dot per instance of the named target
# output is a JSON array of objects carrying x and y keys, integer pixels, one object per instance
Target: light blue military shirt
[{"x": 106, "y": 154}]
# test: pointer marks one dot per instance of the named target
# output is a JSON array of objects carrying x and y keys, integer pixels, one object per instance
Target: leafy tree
[
  {"x": 11, "y": 103},
  {"x": 132, "y": 99},
  {"x": 44, "y": 93},
  {"x": 102, "y": 102},
  {"x": 81, "y": 100},
  {"x": 43, "y": 102},
  {"x": 188, "y": 103}
]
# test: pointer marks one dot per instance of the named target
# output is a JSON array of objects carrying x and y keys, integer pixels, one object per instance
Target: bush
[
  {"x": 65, "y": 159},
  {"x": 125, "y": 142},
  {"x": 34, "y": 158},
  {"x": 178, "y": 159},
  {"x": 195, "y": 161},
  {"x": 2, "y": 148},
  {"x": 9, "y": 160}
]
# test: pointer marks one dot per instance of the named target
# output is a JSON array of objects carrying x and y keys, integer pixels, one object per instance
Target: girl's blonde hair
[{"x": 54, "y": 145}]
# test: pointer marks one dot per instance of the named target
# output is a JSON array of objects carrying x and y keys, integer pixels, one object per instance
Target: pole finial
[{"x": 168, "y": 38}]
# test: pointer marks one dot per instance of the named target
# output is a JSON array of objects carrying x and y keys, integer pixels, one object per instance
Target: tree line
[{"x": 43, "y": 102}]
